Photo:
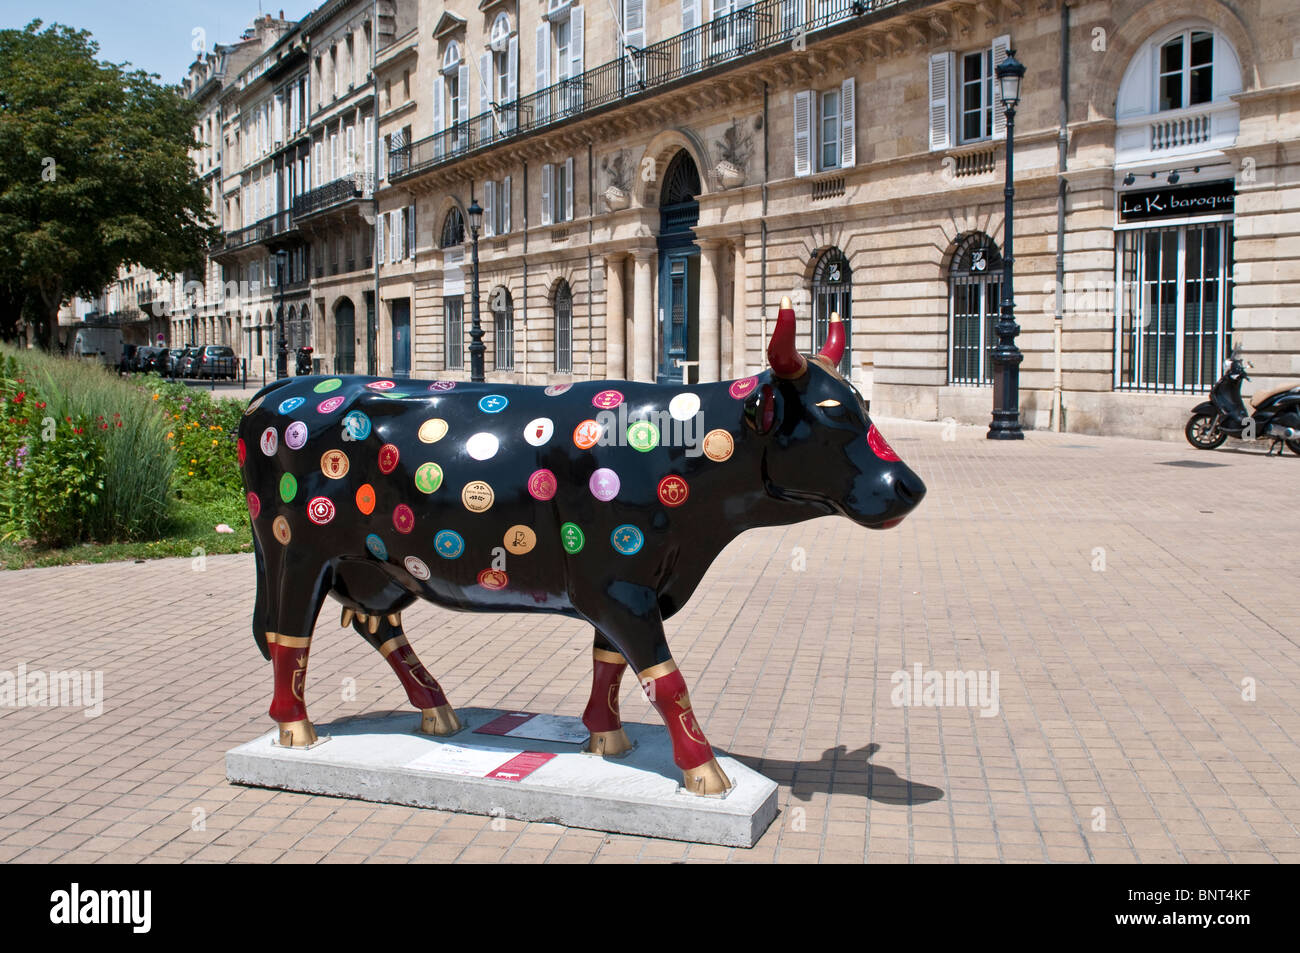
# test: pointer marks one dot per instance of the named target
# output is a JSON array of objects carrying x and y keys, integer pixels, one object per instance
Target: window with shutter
[
  {"x": 489, "y": 220},
  {"x": 803, "y": 132},
  {"x": 940, "y": 99},
  {"x": 512, "y": 80},
  {"x": 410, "y": 231},
  {"x": 568, "y": 189},
  {"x": 548, "y": 174},
  {"x": 505, "y": 206},
  {"x": 998, "y": 53},
  {"x": 543, "y": 61},
  {"x": 379, "y": 238},
  {"x": 848, "y": 124}
]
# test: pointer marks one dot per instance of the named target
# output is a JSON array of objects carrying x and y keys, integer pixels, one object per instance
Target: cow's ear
[{"x": 760, "y": 409}]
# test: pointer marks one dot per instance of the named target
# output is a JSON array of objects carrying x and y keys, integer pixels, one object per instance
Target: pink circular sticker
[
  {"x": 555, "y": 390},
  {"x": 320, "y": 510},
  {"x": 442, "y": 385},
  {"x": 743, "y": 387},
  {"x": 607, "y": 399},
  {"x": 295, "y": 435},
  {"x": 329, "y": 405},
  {"x": 542, "y": 485},
  {"x": 381, "y": 385},
  {"x": 254, "y": 505},
  {"x": 604, "y": 484},
  {"x": 403, "y": 518}
]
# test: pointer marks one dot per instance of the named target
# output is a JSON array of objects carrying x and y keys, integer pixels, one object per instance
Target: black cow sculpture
[{"x": 605, "y": 501}]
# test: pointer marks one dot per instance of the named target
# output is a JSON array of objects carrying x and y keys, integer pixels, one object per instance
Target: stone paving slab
[{"x": 1136, "y": 614}]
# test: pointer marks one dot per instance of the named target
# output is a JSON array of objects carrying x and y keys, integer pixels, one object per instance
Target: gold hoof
[
  {"x": 439, "y": 721},
  {"x": 708, "y": 780},
  {"x": 609, "y": 744},
  {"x": 297, "y": 734}
]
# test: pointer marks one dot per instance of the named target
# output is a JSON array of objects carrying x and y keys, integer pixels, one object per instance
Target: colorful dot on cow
[
  {"x": 291, "y": 404},
  {"x": 417, "y": 568},
  {"x": 365, "y": 499},
  {"x": 493, "y": 579},
  {"x": 542, "y": 485},
  {"x": 587, "y": 434},
  {"x": 607, "y": 399},
  {"x": 241, "y": 450},
  {"x": 449, "y": 544},
  {"x": 388, "y": 457},
  {"x": 432, "y": 430},
  {"x": 330, "y": 404},
  {"x": 684, "y": 406},
  {"x": 254, "y": 505},
  {"x": 334, "y": 464},
  {"x": 482, "y": 446},
  {"x": 604, "y": 484},
  {"x": 555, "y": 390},
  {"x": 879, "y": 446},
  {"x": 382, "y": 385},
  {"x": 539, "y": 431},
  {"x": 270, "y": 440},
  {"x": 281, "y": 530},
  {"x": 439, "y": 386},
  {"x": 324, "y": 387},
  {"x": 356, "y": 426},
  {"x": 718, "y": 445},
  {"x": 295, "y": 435},
  {"x": 572, "y": 538},
  {"x": 376, "y": 547},
  {"x": 428, "y": 477},
  {"x": 627, "y": 539},
  {"x": 673, "y": 490},
  {"x": 493, "y": 403},
  {"x": 255, "y": 403},
  {"x": 519, "y": 539},
  {"x": 743, "y": 387},
  {"x": 403, "y": 518},
  {"x": 477, "y": 496},
  {"x": 288, "y": 487},
  {"x": 320, "y": 510},
  {"x": 643, "y": 435}
]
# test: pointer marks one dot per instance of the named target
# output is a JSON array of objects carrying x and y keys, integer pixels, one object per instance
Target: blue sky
[{"x": 156, "y": 35}]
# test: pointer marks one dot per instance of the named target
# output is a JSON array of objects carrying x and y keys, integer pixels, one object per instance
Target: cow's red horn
[
  {"x": 782, "y": 354},
  {"x": 833, "y": 349}
]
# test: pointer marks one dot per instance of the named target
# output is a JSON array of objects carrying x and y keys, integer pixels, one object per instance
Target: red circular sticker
[
  {"x": 555, "y": 390},
  {"x": 329, "y": 405},
  {"x": 403, "y": 518},
  {"x": 673, "y": 491},
  {"x": 241, "y": 450},
  {"x": 542, "y": 485},
  {"x": 388, "y": 455},
  {"x": 381, "y": 385},
  {"x": 442, "y": 385},
  {"x": 492, "y": 579},
  {"x": 607, "y": 399},
  {"x": 320, "y": 510},
  {"x": 366, "y": 498},
  {"x": 743, "y": 387},
  {"x": 254, "y": 505},
  {"x": 878, "y": 445}
]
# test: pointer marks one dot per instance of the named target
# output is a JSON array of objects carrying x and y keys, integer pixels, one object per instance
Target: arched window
[
  {"x": 499, "y": 38},
  {"x": 563, "y": 329},
  {"x": 974, "y": 294},
  {"x": 451, "y": 56},
  {"x": 833, "y": 294},
  {"x": 453, "y": 229},
  {"x": 503, "y": 327}
]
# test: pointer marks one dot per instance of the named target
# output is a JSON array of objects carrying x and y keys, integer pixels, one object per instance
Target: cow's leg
[
  {"x": 601, "y": 715},
  {"x": 293, "y": 600},
  {"x": 629, "y": 618},
  {"x": 384, "y": 632}
]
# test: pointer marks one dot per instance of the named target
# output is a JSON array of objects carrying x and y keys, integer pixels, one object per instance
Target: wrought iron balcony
[
  {"x": 359, "y": 185},
  {"x": 728, "y": 39}
]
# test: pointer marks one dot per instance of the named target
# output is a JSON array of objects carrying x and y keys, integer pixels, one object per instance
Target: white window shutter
[
  {"x": 484, "y": 82},
  {"x": 848, "y": 124},
  {"x": 370, "y": 145},
  {"x": 548, "y": 174},
  {"x": 575, "y": 41},
  {"x": 439, "y": 101},
  {"x": 690, "y": 14},
  {"x": 940, "y": 100},
  {"x": 489, "y": 189},
  {"x": 279, "y": 118},
  {"x": 1001, "y": 45},
  {"x": 379, "y": 238},
  {"x": 803, "y": 132},
  {"x": 395, "y": 236},
  {"x": 512, "y": 69},
  {"x": 505, "y": 206},
  {"x": 568, "y": 189},
  {"x": 543, "y": 54},
  {"x": 410, "y": 231},
  {"x": 348, "y": 167},
  {"x": 464, "y": 94},
  {"x": 634, "y": 22}
]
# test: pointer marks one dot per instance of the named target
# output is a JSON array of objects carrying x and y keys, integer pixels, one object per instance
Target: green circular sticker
[
  {"x": 324, "y": 387},
  {"x": 288, "y": 487},
  {"x": 428, "y": 477},
  {"x": 643, "y": 435},
  {"x": 572, "y": 538}
]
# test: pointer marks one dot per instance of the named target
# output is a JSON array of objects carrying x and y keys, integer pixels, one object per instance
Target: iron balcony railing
[
  {"x": 762, "y": 26},
  {"x": 359, "y": 185}
]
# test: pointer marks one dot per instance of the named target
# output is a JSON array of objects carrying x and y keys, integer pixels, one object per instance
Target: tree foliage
[{"x": 95, "y": 170}]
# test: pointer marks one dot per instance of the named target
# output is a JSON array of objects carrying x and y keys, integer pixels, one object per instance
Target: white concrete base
[{"x": 384, "y": 758}]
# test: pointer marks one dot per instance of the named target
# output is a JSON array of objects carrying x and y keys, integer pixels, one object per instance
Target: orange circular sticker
[
  {"x": 366, "y": 498},
  {"x": 281, "y": 529},
  {"x": 492, "y": 579},
  {"x": 586, "y": 435},
  {"x": 477, "y": 497},
  {"x": 334, "y": 464},
  {"x": 520, "y": 539},
  {"x": 718, "y": 445}
]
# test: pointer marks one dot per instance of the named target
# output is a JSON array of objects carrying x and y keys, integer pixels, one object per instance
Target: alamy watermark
[
  {"x": 934, "y": 689},
  {"x": 75, "y": 689}
]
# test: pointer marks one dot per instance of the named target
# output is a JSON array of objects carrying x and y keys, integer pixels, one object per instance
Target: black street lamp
[
  {"x": 194, "y": 315},
  {"x": 476, "y": 347},
  {"x": 1006, "y": 356},
  {"x": 282, "y": 348}
]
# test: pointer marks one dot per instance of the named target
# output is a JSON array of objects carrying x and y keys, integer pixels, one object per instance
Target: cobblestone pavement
[{"x": 1136, "y": 601}]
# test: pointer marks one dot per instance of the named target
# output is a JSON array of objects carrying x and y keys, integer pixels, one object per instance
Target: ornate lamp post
[
  {"x": 1006, "y": 356},
  {"x": 282, "y": 348},
  {"x": 194, "y": 315},
  {"x": 476, "y": 347}
]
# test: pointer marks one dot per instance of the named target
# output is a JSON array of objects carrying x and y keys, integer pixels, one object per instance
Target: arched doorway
[
  {"x": 503, "y": 328},
  {"x": 974, "y": 293},
  {"x": 679, "y": 271},
  {"x": 345, "y": 331},
  {"x": 833, "y": 294}
]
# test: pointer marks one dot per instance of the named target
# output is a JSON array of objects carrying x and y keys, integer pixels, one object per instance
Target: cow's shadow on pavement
[{"x": 844, "y": 772}]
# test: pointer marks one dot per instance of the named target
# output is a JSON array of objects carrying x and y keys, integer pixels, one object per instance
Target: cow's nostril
[{"x": 909, "y": 491}]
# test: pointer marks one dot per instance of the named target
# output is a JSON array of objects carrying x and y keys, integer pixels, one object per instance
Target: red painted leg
[
  {"x": 289, "y": 663},
  {"x": 438, "y": 717},
  {"x": 602, "y": 716},
  {"x": 666, "y": 689}
]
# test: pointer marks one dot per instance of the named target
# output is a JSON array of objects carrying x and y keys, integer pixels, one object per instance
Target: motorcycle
[
  {"x": 304, "y": 361},
  {"x": 1275, "y": 416}
]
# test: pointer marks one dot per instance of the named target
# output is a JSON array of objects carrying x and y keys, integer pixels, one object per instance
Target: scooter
[
  {"x": 1274, "y": 414},
  {"x": 304, "y": 360}
]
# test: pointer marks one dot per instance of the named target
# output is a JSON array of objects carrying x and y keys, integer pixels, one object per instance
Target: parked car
[
  {"x": 174, "y": 356},
  {"x": 215, "y": 361},
  {"x": 189, "y": 361}
]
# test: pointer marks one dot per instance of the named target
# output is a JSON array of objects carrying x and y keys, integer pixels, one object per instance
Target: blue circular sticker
[
  {"x": 376, "y": 547},
  {"x": 627, "y": 539},
  {"x": 449, "y": 544},
  {"x": 356, "y": 426},
  {"x": 492, "y": 404},
  {"x": 292, "y": 404}
]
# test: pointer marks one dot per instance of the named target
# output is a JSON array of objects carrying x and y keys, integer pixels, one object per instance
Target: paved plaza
[{"x": 1128, "y": 608}]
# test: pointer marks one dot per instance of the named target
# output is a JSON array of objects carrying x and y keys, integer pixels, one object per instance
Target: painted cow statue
[{"x": 605, "y": 501}]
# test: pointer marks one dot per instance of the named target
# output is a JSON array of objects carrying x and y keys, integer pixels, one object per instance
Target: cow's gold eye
[{"x": 828, "y": 403}]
